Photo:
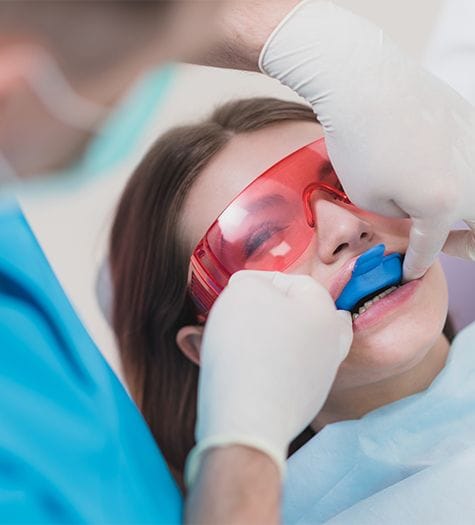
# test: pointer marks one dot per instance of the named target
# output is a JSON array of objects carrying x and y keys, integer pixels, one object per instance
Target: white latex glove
[
  {"x": 402, "y": 141},
  {"x": 270, "y": 352}
]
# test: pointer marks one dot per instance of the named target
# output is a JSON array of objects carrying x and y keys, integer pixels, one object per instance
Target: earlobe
[{"x": 188, "y": 340}]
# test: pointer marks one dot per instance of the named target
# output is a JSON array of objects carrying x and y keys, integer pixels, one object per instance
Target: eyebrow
[
  {"x": 268, "y": 201},
  {"x": 326, "y": 171}
]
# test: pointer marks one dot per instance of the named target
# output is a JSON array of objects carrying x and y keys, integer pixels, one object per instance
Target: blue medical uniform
[
  {"x": 411, "y": 462},
  {"x": 73, "y": 446}
]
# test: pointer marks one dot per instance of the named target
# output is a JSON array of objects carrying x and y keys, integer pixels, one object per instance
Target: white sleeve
[{"x": 451, "y": 51}]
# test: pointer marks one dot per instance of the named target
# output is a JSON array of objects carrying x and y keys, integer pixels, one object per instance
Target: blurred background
[{"x": 71, "y": 216}]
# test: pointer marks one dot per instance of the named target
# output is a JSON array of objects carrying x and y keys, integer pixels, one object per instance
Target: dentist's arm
[
  {"x": 270, "y": 352},
  {"x": 401, "y": 141},
  {"x": 235, "y": 485}
]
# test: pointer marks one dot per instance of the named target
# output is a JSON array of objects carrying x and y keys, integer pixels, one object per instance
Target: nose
[{"x": 340, "y": 232}]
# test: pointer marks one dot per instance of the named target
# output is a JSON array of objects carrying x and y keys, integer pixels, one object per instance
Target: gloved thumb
[
  {"x": 345, "y": 316},
  {"x": 346, "y": 332},
  {"x": 426, "y": 239}
]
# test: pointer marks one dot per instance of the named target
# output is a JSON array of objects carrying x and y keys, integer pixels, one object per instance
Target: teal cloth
[
  {"x": 73, "y": 446},
  {"x": 410, "y": 462},
  {"x": 118, "y": 138},
  {"x": 123, "y": 131}
]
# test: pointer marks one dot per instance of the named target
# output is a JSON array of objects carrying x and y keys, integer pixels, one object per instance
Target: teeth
[{"x": 367, "y": 304}]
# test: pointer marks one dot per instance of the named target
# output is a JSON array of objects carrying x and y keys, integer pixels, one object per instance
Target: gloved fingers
[
  {"x": 244, "y": 275},
  {"x": 297, "y": 286},
  {"x": 277, "y": 280},
  {"x": 375, "y": 202},
  {"x": 426, "y": 240},
  {"x": 304, "y": 292},
  {"x": 290, "y": 285},
  {"x": 345, "y": 316},
  {"x": 346, "y": 332},
  {"x": 461, "y": 243}
]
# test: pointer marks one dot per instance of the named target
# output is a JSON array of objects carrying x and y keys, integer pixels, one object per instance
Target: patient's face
[{"x": 387, "y": 341}]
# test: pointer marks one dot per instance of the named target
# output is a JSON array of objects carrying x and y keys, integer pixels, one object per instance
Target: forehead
[{"x": 243, "y": 159}]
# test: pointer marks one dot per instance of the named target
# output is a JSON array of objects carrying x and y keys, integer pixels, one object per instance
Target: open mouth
[{"x": 366, "y": 302}]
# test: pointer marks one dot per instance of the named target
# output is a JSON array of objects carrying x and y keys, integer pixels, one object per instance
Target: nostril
[
  {"x": 340, "y": 247},
  {"x": 364, "y": 235}
]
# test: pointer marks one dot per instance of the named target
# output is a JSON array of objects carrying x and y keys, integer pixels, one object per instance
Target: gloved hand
[
  {"x": 270, "y": 352},
  {"x": 401, "y": 141}
]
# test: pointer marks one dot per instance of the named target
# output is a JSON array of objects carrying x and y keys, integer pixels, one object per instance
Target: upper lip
[{"x": 342, "y": 278}]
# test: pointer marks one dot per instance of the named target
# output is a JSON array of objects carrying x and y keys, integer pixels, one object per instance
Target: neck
[{"x": 353, "y": 403}]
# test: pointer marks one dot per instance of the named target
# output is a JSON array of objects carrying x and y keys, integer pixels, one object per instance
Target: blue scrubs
[
  {"x": 410, "y": 462},
  {"x": 73, "y": 446}
]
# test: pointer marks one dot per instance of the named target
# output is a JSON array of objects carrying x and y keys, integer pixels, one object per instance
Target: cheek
[{"x": 401, "y": 344}]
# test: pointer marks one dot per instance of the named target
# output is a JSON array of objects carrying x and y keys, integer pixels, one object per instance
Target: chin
[{"x": 388, "y": 343}]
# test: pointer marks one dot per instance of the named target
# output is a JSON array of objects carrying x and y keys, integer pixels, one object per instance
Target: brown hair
[{"x": 149, "y": 266}]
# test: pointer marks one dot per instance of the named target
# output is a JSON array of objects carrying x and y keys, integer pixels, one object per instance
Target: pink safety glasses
[{"x": 268, "y": 226}]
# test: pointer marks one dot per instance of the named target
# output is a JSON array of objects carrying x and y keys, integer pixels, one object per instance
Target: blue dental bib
[{"x": 373, "y": 271}]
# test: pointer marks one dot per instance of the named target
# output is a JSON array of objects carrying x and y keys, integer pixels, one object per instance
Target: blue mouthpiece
[{"x": 373, "y": 271}]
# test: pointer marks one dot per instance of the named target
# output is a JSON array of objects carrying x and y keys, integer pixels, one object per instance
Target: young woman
[{"x": 182, "y": 185}]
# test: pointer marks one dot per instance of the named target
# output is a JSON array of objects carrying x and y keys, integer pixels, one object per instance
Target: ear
[{"x": 188, "y": 340}]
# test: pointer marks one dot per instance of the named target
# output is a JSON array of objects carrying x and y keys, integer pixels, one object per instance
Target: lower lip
[{"x": 386, "y": 306}]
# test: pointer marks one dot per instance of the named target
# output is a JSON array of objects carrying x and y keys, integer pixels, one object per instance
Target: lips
[
  {"x": 366, "y": 275},
  {"x": 343, "y": 278},
  {"x": 383, "y": 310},
  {"x": 363, "y": 278}
]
